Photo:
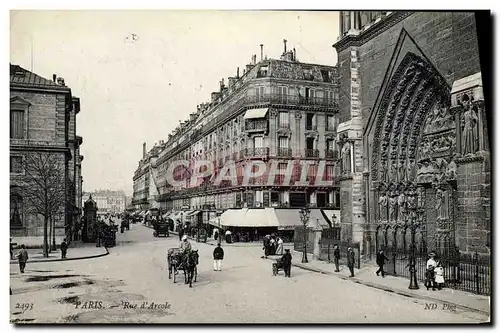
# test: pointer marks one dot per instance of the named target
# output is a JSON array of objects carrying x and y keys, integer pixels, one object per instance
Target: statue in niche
[
  {"x": 441, "y": 169},
  {"x": 393, "y": 173},
  {"x": 441, "y": 204},
  {"x": 402, "y": 170},
  {"x": 402, "y": 206},
  {"x": 393, "y": 206},
  {"x": 382, "y": 202},
  {"x": 425, "y": 152},
  {"x": 469, "y": 127},
  {"x": 451, "y": 170},
  {"x": 346, "y": 158},
  {"x": 410, "y": 172}
]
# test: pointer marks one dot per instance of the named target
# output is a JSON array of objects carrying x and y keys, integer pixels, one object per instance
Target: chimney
[
  {"x": 237, "y": 72},
  {"x": 144, "y": 150},
  {"x": 169, "y": 137},
  {"x": 261, "y": 52},
  {"x": 192, "y": 116},
  {"x": 54, "y": 76},
  {"x": 284, "y": 43},
  {"x": 60, "y": 81},
  {"x": 231, "y": 81},
  {"x": 294, "y": 55}
]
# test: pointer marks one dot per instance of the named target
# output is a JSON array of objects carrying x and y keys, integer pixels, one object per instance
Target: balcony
[
  {"x": 257, "y": 152},
  {"x": 256, "y": 125},
  {"x": 284, "y": 152},
  {"x": 333, "y": 154},
  {"x": 312, "y": 153},
  {"x": 291, "y": 100}
]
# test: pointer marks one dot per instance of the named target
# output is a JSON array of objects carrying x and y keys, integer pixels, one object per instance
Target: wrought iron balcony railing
[
  {"x": 312, "y": 153},
  {"x": 260, "y": 124},
  {"x": 257, "y": 152},
  {"x": 332, "y": 154},
  {"x": 285, "y": 152}
]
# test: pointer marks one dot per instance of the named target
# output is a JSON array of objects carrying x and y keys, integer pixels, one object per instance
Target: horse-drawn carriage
[
  {"x": 177, "y": 260},
  {"x": 161, "y": 228},
  {"x": 202, "y": 236}
]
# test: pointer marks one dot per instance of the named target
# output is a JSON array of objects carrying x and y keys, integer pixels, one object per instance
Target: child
[{"x": 439, "y": 278}]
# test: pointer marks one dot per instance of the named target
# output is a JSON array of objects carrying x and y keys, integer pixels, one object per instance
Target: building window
[
  {"x": 17, "y": 124},
  {"x": 283, "y": 95},
  {"x": 258, "y": 142},
  {"x": 259, "y": 91},
  {"x": 16, "y": 164},
  {"x": 310, "y": 122},
  {"x": 283, "y": 142},
  {"x": 16, "y": 210},
  {"x": 330, "y": 170},
  {"x": 330, "y": 145},
  {"x": 284, "y": 120}
]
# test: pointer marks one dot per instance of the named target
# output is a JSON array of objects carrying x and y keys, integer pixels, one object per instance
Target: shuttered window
[{"x": 17, "y": 124}]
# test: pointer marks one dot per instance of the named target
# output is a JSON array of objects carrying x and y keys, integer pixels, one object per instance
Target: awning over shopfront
[
  {"x": 166, "y": 215},
  {"x": 256, "y": 218},
  {"x": 288, "y": 219},
  {"x": 147, "y": 213},
  {"x": 317, "y": 220},
  {"x": 196, "y": 212},
  {"x": 142, "y": 213},
  {"x": 214, "y": 221},
  {"x": 255, "y": 113}
]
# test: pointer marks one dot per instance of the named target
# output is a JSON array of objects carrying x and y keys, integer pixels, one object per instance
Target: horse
[
  {"x": 174, "y": 260},
  {"x": 189, "y": 267}
]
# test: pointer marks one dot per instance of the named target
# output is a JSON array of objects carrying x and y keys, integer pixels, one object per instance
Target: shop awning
[
  {"x": 196, "y": 212},
  {"x": 255, "y": 113},
  {"x": 165, "y": 215},
  {"x": 142, "y": 213},
  {"x": 214, "y": 221},
  {"x": 288, "y": 219},
  {"x": 147, "y": 213},
  {"x": 256, "y": 218}
]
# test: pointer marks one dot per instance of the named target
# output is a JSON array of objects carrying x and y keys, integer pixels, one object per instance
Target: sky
[{"x": 138, "y": 73}]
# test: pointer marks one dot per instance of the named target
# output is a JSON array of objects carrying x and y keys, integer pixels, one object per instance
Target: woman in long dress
[
  {"x": 279, "y": 249},
  {"x": 439, "y": 275}
]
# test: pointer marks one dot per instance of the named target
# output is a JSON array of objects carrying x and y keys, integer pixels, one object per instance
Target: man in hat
[
  {"x": 336, "y": 257},
  {"x": 22, "y": 256},
  {"x": 350, "y": 261},
  {"x": 287, "y": 262},
  {"x": 218, "y": 256},
  {"x": 185, "y": 245},
  {"x": 64, "y": 248},
  {"x": 381, "y": 258}
]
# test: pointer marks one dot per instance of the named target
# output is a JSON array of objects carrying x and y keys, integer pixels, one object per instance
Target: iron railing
[
  {"x": 311, "y": 127},
  {"x": 257, "y": 152},
  {"x": 285, "y": 152},
  {"x": 332, "y": 154},
  {"x": 312, "y": 153}
]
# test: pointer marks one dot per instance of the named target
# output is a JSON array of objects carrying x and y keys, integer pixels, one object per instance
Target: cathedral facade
[{"x": 412, "y": 133}]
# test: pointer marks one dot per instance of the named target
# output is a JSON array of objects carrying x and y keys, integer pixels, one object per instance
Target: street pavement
[{"x": 131, "y": 285}]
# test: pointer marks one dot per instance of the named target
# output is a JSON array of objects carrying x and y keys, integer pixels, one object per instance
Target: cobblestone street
[{"x": 245, "y": 291}]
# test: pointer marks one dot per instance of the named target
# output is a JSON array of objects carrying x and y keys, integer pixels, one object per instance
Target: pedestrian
[
  {"x": 266, "y": 245},
  {"x": 218, "y": 256},
  {"x": 279, "y": 249},
  {"x": 22, "y": 256},
  {"x": 185, "y": 245},
  {"x": 64, "y": 248},
  {"x": 228, "y": 236},
  {"x": 429, "y": 273},
  {"x": 181, "y": 233},
  {"x": 336, "y": 257},
  {"x": 216, "y": 234},
  {"x": 11, "y": 250},
  {"x": 381, "y": 258},
  {"x": 439, "y": 278},
  {"x": 272, "y": 246},
  {"x": 287, "y": 262},
  {"x": 350, "y": 261}
]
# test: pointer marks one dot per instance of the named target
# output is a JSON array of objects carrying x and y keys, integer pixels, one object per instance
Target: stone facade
[
  {"x": 43, "y": 120},
  {"x": 108, "y": 201},
  {"x": 299, "y": 105},
  {"x": 412, "y": 113}
]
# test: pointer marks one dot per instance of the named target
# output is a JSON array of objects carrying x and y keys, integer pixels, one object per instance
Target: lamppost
[
  {"x": 219, "y": 213},
  {"x": 412, "y": 208},
  {"x": 331, "y": 238},
  {"x": 304, "y": 218}
]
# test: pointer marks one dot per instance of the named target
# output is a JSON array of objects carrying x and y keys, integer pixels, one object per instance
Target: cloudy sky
[{"x": 138, "y": 73}]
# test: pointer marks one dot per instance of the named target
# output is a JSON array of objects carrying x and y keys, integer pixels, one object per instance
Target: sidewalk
[
  {"x": 399, "y": 285},
  {"x": 34, "y": 242},
  {"x": 76, "y": 251}
]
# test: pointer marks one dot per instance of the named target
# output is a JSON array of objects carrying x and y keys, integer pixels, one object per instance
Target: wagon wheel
[
  {"x": 195, "y": 273},
  {"x": 275, "y": 269}
]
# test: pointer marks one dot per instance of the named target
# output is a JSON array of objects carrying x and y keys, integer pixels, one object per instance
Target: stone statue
[
  {"x": 402, "y": 206},
  {"x": 382, "y": 201},
  {"x": 393, "y": 174},
  {"x": 346, "y": 157},
  {"x": 393, "y": 206},
  {"x": 442, "y": 209},
  {"x": 469, "y": 132},
  {"x": 451, "y": 170},
  {"x": 402, "y": 170}
]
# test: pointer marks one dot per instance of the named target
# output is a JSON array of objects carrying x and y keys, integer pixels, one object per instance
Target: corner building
[
  {"x": 413, "y": 128},
  {"x": 278, "y": 110}
]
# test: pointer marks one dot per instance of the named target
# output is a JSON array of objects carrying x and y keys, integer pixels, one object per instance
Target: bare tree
[{"x": 44, "y": 188}]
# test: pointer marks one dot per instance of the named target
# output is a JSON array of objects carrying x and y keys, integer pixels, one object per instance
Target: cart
[
  {"x": 277, "y": 266},
  {"x": 161, "y": 229},
  {"x": 202, "y": 236}
]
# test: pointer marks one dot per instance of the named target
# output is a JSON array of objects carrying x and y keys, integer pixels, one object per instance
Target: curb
[
  {"x": 13, "y": 262},
  {"x": 384, "y": 288}
]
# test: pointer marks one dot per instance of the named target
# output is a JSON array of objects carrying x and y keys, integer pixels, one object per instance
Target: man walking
[
  {"x": 287, "y": 262},
  {"x": 218, "y": 256},
  {"x": 336, "y": 257},
  {"x": 381, "y": 258},
  {"x": 22, "y": 256},
  {"x": 350, "y": 261},
  {"x": 64, "y": 248}
]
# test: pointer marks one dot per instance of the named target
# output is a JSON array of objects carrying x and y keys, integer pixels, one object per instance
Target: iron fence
[
  {"x": 466, "y": 272},
  {"x": 326, "y": 251}
]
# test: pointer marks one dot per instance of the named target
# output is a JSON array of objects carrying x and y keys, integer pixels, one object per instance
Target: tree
[{"x": 43, "y": 187}]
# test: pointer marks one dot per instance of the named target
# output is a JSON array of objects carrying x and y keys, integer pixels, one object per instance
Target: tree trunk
[
  {"x": 45, "y": 241},
  {"x": 50, "y": 234}
]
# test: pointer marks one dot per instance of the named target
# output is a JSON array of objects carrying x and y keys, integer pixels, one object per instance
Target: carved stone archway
[{"x": 414, "y": 137}]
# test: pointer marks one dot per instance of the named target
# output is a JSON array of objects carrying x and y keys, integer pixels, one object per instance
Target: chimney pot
[
  {"x": 54, "y": 77},
  {"x": 238, "y": 72},
  {"x": 261, "y": 52}
]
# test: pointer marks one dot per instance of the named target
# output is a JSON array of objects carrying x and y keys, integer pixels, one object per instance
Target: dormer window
[
  {"x": 308, "y": 74},
  {"x": 263, "y": 71}
]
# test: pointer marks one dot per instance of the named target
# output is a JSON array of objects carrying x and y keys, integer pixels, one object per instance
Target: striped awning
[{"x": 255, "y": 113}]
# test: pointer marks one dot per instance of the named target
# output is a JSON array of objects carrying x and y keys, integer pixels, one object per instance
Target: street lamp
[
  {"x": 412, "y": 207},
  {"x": 331, "y": 238},
  {"x": 304, "y": 218},
  {"x": 220, "y": 231}
]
